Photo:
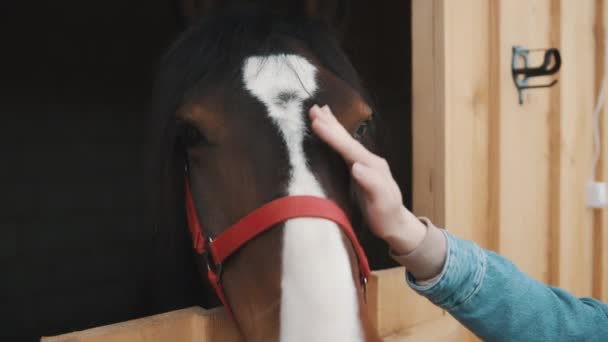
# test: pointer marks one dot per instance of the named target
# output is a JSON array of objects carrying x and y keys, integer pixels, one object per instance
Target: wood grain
[
  {"x": 393, "y": 306},
  {"x": 428, "y": 106},
  {"x": 600, "y": 223},
  {"x": 192, "y": 324},
  {"x": 577, "y": 84}
]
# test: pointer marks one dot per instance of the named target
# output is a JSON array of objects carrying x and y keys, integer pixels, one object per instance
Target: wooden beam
[
  {"x": 600, "y": 218},
  {"x": 192, "y": 324},
  {"x": 521, "y": 141},
  {"x": 554, "y": 124},
  {"x": 494, "y": 102},
  {"x": 428, "y": 107},
  {"x": 577, "y": 79},
  {"x": 444, "y": 329}
]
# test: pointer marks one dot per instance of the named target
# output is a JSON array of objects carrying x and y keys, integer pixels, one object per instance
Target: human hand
[{"x": 379, "y": 195}]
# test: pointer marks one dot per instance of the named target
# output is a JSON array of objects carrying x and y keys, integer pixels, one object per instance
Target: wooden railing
[{"x": 398, "y": 313}]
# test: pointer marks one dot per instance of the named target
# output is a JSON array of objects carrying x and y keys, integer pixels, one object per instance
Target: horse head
[{"x": 233, "y": 94}]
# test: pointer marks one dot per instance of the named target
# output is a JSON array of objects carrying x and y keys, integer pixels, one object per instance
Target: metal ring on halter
[
  {"x": 217, "y": 268},
  {"x": 364, "y": 284}
]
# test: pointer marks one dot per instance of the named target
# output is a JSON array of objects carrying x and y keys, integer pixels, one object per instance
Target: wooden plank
[
  {"x": 393, "y": 306},
  {"x": 601, "y": 251},
  {"x": 554, "y": 156},
  {"x": 600, "y": 231},
  {"x": 577, "y": 82},
  {"x": 523, "y": 143},
  {"x": 451, "y": 102},
  {"x": 192, "y": 324},
  {"x": 214, "y": 325},
  {"x": 428, "y": 108},
  {"x": 467, "y": 118},
  {"x": 494, "y": 88},
  {"x": 445, "y": 329}
]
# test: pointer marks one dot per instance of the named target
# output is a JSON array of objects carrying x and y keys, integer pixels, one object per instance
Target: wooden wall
[{"x": 512, "y": 177}]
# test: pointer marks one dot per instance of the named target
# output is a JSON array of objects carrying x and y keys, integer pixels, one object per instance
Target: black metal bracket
[{"x": 522, "y": 74}]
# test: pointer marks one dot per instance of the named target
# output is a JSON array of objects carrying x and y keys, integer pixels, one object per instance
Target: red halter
[{"x": 259, "y": 221}]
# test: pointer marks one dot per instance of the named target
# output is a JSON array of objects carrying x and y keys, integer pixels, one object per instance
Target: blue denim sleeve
[{"x": 497, "y": 302}]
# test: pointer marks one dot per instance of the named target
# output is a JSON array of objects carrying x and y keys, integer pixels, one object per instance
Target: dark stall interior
[{"x": 76, "y": 80}]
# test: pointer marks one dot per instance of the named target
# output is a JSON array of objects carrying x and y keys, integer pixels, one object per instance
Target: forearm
[
  {"x": 496, "y": 301},
  {"x": 426, "y": 259}
]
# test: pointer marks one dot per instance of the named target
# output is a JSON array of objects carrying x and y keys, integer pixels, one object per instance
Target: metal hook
[{"x": 551, "y": 64}]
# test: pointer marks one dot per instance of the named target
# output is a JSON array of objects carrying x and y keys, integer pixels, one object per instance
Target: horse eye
[
  {"x": 190, "y": 135},
  {"x": 362, "y": 129}
]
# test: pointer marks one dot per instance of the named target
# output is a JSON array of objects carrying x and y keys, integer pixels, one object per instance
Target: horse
[{"x": 230, "y": 133}]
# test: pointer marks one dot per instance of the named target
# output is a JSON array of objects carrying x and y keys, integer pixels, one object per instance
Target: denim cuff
[{"x": 460, "y": 277}]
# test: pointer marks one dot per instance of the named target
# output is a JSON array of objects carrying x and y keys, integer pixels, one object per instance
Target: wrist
[
  {"x": 428, "y": 259},
  {"x": 407, "y": 233}
]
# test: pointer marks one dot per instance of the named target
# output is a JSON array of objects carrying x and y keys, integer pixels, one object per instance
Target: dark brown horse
[{"x": 232, "y": 99}]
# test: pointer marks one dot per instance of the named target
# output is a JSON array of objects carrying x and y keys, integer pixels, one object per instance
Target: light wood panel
[
  {"x": 393, "y": 306},
  {"x": 428, "y": 106},
  {"x": 466, "y": 117},
  {"x": 523, "y": 145},
  {"x": 394, "y": 309},
  {"x": 514, "y": 175},
  {"x": 451, "y": 90},
  {"x": 577, "y": 89},
  {"x": 192, "y": 324},
  {"x": 451, "y": 113},
  {"x": 444, "y": 329},
  {"x": 600, "y": 232}
]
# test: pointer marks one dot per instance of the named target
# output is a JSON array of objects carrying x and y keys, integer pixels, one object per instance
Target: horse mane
[{"x": 207, "y": 56}]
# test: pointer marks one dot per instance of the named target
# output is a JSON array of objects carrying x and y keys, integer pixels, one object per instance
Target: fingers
[
  {"x": 378, "y": 193},
  {"x": 329, "y": 129}
]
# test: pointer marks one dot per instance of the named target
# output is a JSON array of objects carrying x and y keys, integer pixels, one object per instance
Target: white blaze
[{"x": 319, "y": 298}]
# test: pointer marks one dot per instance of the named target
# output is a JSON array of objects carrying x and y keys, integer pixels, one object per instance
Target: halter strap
[
  {"x": 194, "y": 225},
  {"x": 259, "y": 221}
]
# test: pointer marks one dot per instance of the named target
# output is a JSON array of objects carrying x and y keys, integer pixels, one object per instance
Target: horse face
[
  {"x": 250, "y": 142},
  {"x": 254, "y": 145},
  {"x": 242, "y": 85}
]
